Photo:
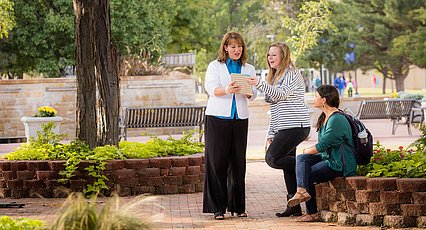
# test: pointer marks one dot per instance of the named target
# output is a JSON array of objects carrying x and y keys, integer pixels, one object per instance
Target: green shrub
[
  {"x": 7, "y": 223},
  {"x": 135, "y": 150},
  {"x": 416, "y": 96},
  {"x": 403, "y": 163}
]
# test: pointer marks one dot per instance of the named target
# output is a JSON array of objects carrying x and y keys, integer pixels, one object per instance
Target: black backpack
[{"x": 363, "y": 146}]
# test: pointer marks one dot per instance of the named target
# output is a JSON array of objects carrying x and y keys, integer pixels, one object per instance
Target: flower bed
[
  {"x": 162, "y": 175},
  {"x": 390, "y": 202}
]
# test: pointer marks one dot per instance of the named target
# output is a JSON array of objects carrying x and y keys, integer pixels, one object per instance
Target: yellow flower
[{"x": 46, "y": 111}]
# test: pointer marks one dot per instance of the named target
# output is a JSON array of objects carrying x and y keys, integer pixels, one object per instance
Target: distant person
[
  {"x": 333, "y": 155},
  {"x": 289, "y": 125},
  {"x": 317, "y": 83},
  {"x": 350, "y": 87},
  {"x": 226, "y": 129},
  {"x": 374, "y": 81},
  {"x": 340, "y": 84}
]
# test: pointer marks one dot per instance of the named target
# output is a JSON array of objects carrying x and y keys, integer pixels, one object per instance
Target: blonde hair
[
  {"x": 285, "y": 63},
  {"x": 222, "y": 55}
]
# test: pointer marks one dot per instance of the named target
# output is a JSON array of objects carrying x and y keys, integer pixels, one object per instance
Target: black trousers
[
  {"x": 225, "y": 165},
  {"x": 281, "y": 154}
]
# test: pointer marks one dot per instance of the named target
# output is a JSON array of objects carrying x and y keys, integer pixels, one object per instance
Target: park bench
[
  {"x": 400, "y": 111},
  {"x": 157, "y": 117}
]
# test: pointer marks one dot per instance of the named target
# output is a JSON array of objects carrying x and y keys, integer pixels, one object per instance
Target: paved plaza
[{"x": 265, "y": 193}]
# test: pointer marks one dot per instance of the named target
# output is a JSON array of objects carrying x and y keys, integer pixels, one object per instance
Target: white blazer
[{"x": 217, "y": 75}]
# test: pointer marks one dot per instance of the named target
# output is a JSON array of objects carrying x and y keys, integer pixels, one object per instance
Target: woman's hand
[
  {"x": 233, "y": 88},
  {"x": 268, "y": 142},
  {"x": 253, "y": 81}
]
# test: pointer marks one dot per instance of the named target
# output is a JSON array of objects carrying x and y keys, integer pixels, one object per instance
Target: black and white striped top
[{"x": 287, "y": 102}]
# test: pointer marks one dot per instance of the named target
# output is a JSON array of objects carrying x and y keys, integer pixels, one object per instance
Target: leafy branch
[{"x": 313, "y": 19}]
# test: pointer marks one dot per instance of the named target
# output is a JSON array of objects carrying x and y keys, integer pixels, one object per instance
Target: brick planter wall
[
  {"x": 164, "y": 175},
  {"x": 391, "y": 202}
]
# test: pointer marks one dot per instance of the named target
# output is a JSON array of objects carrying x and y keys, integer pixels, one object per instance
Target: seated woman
[{"x": 333, "y": 155}]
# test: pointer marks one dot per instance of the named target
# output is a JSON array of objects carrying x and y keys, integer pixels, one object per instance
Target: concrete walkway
[{"x": 265, "y": 193}]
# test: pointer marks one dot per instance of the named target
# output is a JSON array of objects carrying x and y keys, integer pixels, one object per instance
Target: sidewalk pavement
[{"x": 265, "y": 193}]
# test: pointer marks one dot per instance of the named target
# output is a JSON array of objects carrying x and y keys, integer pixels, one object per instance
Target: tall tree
[
  {"x": 98, "y": 95},
  {"x": 381, "y": 26},
  {"x": 413, "y": 43}
]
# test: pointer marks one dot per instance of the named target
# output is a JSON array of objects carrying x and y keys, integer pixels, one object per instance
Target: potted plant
[{"x": 45, "y": 114}]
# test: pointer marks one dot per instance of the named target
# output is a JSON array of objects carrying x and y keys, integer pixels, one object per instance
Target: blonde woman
[{"x": 289, "y": 125}]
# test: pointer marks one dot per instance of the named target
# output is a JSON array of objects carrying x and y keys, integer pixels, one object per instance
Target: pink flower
[{"x": 401, "y": 147}]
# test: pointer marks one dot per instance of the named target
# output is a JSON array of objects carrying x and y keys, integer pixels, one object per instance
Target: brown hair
[
  {"x": 331, "y": 95},
  {"x": 222, "y": 55},
  {"x": 275, "y": 74}
]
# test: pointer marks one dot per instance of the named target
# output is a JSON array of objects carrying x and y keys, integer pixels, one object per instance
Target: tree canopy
[
  {"x": 142, "y": 27},
  {"x": 389, "y": 36},
  {"x": 7, "y": 18},
  {"x": 42, "y": 41}
]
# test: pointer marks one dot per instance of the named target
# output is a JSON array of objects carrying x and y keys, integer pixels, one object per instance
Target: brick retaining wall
[
  {"x": 391, "y": 202},
  {"x": 164, "y": 175}
]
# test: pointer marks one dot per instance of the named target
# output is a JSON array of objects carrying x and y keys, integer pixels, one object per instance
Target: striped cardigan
[{"x": 287, "y": 102}]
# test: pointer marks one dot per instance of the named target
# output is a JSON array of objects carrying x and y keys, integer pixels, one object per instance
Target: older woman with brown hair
[{"x": 226, "y": 129}]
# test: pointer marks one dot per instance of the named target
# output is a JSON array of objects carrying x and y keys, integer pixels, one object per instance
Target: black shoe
[
  {"x": 290, "y": 211},
  {"x": 219, "y": 216}
]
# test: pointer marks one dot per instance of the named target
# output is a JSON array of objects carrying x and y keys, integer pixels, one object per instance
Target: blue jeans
[{"x": 310, "y": 169}]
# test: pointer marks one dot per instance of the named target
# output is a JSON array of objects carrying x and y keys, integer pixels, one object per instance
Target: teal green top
[{"x": 333, "y": 138}]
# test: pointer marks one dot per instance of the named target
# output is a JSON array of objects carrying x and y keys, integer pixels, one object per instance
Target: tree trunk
[
  {"x": 107, "y": 78},
  {"x": 85, "y": 71},
  {"x": 399, "y": 81},
  {"x": 97, "y": 75},
  {"x": 384, "y": 85},
  {"x": 400, "y": 72},
  {"x": 384, "y": 71}
]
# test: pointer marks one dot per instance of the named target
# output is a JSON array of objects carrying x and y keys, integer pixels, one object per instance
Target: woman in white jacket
[{"x": 226, "y": 130}]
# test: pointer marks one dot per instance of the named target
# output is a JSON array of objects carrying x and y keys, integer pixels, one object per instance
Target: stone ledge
[
  {"x": 390, "y": 202},
  {"x": 163, "y": 175}
]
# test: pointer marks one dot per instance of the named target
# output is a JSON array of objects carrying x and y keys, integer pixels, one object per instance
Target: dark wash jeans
[
  {"x": 311, "y": 169},
  {"x": 282, "y": 152}
]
